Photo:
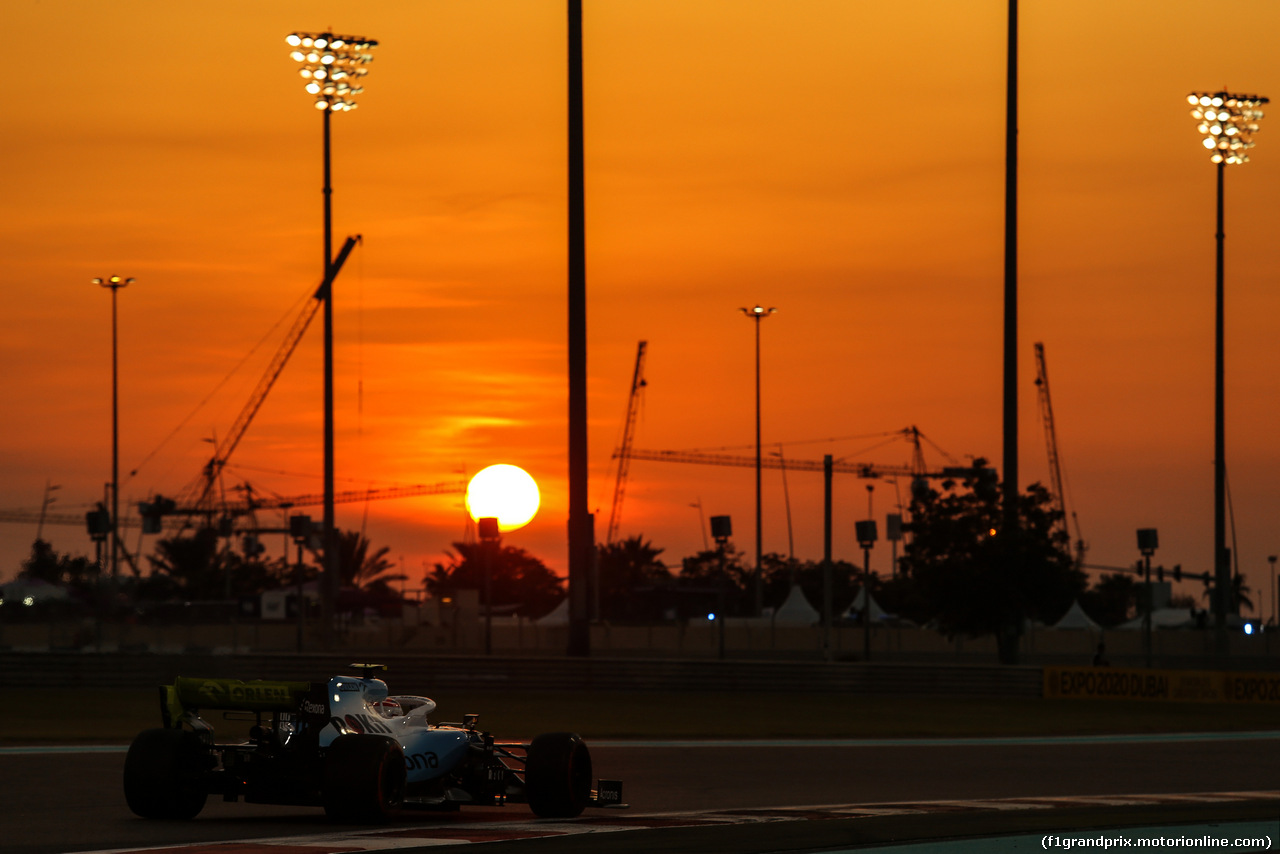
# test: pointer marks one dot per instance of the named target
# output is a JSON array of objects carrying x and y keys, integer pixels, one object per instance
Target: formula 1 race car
[{"x": 347, "y": 746}]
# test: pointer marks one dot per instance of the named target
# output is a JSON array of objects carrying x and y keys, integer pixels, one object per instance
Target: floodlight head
[
  {"x": 758, "y": 312},
  {"x": 1228, "y": 122},
  {"x": 327, "y": 57}
]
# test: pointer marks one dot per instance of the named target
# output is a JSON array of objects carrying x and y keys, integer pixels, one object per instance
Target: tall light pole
[
  {"x": 1010, "y": 408},
  {"x": 1228, "y": 122},
  {"x": 581, "y": 536},
  {"x": 758, "y": 314},
  {"x": 332, "y": 66},
  {"x": 115, "y": 283}
]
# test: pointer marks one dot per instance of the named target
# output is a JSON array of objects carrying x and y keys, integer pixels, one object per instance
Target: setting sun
[{"x": 505, "y": 492}]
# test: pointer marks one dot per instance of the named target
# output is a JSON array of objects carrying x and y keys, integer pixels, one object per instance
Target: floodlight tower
[
  {"x": 1228, "y": 122},
  {"x": 332, "y": 66}
]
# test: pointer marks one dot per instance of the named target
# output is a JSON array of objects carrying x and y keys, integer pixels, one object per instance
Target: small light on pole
[
  {"x": 866, "y": 533},
  {"x": 490, "y": 538},
  {"x": 721, "y": 530},
  {"x": 1148, "y": 542},
  {"x": 302, "y": 531}
]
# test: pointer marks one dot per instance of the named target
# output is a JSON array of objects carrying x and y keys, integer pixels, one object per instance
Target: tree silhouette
[
  {"x": 721, "y": 570},
  {"x": 357, "y": 567},
  {"x": 1239, "y": 594},
  {"x": 186, "y": 566},
  {"x": 635, "y": 586},
  {"x": 1112, "y": 599},
  {"x": 629, "y": 565},
  {"x": 45, "y": 564},
  {"x": 520, "y": 583},
  {"x": 201, "y": 566},
  {"x": 977, "y": 579}
]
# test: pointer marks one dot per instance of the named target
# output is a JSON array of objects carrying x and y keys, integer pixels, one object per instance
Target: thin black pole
[
  {"x": 330, "y": 586},
  {"x": 866, "y": 603},
  {"x": 1011, "y": 278},
  {"x": 827, "y": 468},
  {"x": 1221, "y": 570},
  {"x": 115, "y": 283},
  {"x": 115, "y": 447},
  {"x": 759, "y": 592},
  {"x": 301, "y": 598},
  {"x": 579, "y": 526},
  {"x": 1150, "y": 604},
  {"x": 486, "y": 546}
]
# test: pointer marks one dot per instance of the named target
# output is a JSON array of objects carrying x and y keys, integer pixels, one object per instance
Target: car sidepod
[{"x": 432, "y": 753}]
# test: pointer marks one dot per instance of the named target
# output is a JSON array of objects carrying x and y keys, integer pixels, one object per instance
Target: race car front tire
[
  {"x": 364, "y": 778},
  {"x": 162, "y": 774},
  {"x": 557, "y": 775}
]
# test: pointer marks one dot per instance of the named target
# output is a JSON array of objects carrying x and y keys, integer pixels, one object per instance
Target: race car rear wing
[{"x": 190, "y": 694}]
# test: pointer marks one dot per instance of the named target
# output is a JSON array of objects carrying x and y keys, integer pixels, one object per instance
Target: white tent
[
  {"x": 34, "y": 589},
  {"x": 796, "y": 610},
  {"x": 1172, "y": 618},
  {"x": 1076, "y": 618},
  {"x": 856, "y": 606},
  {"x": 559, "y": 616}
]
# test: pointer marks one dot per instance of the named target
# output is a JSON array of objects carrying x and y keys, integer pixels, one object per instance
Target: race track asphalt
[{"x": 71, "y": 801}]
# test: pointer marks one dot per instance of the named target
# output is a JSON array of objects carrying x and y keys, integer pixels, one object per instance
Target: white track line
[{"x": 454, "y": 833}]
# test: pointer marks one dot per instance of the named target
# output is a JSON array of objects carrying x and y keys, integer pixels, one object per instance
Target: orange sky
[{"x": 838, "y": 159}]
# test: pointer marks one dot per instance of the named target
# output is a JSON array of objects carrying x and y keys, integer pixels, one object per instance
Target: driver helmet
[{"x": 387, "y": 708}]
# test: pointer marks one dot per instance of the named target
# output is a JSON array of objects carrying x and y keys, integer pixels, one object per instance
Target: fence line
[{"x": 437, "y": 673}]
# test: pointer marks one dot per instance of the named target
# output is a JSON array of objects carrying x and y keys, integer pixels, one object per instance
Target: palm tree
[
  {"x": 357, "y": 567},
  {"x": 188, "y": 565},
  {"x": 518, "y": 581},
  {"x": 1239, "y": 594},
  {"x": 629, "y": 564}
]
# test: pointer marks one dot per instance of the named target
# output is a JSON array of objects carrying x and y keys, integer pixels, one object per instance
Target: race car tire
[
  {"x": 557, "y": 775},
  {"x": 364, "y": 778},
  {"x": 162, "y": 774}
]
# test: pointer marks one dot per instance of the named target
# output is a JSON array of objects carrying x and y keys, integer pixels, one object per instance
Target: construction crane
[
  {"x": 173, "y": 514},
  {"x": 623, "y": 454},
  {"x": 199, "y": 494},
  {"x": 1057, "y": 487},
  {"x": 347, "y": 496},
  {"x": 863, "y": 470}
]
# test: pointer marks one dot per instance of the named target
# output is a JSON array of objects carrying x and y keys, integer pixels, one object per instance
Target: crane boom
[
  {"x": 158, "y": 504},
  {"x": 1051, "y": 442},
  {"x": 350, "y": 495},
  {"x": 864, "y": 470},
  {"x": 623, "y": 454},
  {"x": 199, "y": 494}
]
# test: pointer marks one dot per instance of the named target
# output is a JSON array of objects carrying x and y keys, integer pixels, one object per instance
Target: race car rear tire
[
  {"x": 557, "y": 775},
  {"x": 364, "y": 778},
  {"x": 162, "y": 774}
]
